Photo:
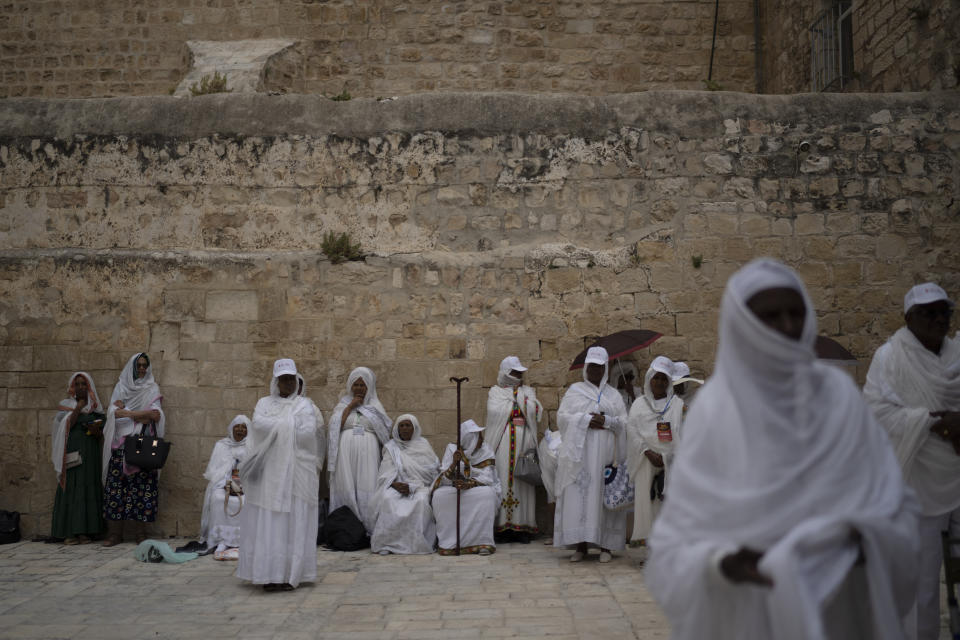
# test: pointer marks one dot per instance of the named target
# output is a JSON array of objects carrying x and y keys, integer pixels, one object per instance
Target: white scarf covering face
[
  {"x": 277, "y": 468},
  {"x": 500, "y": 404},
  {"x": 414, "y": 459},
  {"x": 779, "y": 454},
  {"x": 371, "y": 409},
  {"x": 646, "y": 412},
  {"x": 226, "y": 453},
  {"x": 902, "y": 390},
  {"x": 573, "y": 418},
  {"x": 58, "y": 431},
  {"x": 137, "y": 394}
]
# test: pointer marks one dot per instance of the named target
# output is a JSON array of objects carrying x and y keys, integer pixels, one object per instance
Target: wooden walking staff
[{"x": 457, "y": 475}]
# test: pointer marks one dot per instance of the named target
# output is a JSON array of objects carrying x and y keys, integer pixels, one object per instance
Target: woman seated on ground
[
  {"x": 652, "y": 433},
  {"x": 77, "y": 429},
  {"x": 472, "y": 470},
  {"x": 359, "y": 426},
  {"x": 220, "y": 521},
  {"x": 405, "y": 521}
]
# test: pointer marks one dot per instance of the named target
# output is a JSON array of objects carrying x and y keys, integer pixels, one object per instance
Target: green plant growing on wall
[
  {"x": 339, "y": 248},
  {"x": 217, "y": 84},
  {"x": 696, "y": 261},
  {"x": 343, "y": 96},
  {"x": 712, "y": 85}
]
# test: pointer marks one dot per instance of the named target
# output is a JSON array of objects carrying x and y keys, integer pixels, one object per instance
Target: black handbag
[
  {"x": 148, "y": 452},
  {"x": 9, "y": 527}
]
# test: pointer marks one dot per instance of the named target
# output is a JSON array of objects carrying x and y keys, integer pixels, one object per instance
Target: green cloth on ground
[
  {"x": 156, "y": 551},
  {"x": 78, "y": 509}
]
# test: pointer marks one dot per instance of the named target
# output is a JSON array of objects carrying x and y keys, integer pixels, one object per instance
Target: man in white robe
[
  {"x": 913, "y": 387},
  {"x": 785, "y": 515},
  {"x": 278, "y": 524},
  {"x": 513, "y": 413},
  {"x": 653, "y": 430},
  {"x": 592, "y": 421},
  {"x": 471, "y": 468}
]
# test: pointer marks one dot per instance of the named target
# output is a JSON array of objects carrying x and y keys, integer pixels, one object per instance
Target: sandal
[
  {"x": 286, "y": 586},
  {"x": 82, "y": 539},
  {"x": 71, "y": 541}
]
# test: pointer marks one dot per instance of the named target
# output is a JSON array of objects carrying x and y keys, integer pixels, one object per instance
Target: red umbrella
[
  {"x": 619, "y": 344},
  {"x": 830, "y": 349}
]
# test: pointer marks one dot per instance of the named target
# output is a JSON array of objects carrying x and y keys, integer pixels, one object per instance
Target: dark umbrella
[
  {"x": 619, "y": 344},
  {"x": 830, "y": 349}
]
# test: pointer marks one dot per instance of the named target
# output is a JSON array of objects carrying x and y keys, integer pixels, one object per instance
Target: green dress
[{"x": 78, "y": 509}]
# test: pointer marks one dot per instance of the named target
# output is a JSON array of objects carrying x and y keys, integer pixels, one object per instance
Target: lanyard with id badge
[{"x": 664, "y": 433}]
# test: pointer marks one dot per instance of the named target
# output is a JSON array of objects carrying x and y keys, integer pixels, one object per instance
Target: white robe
[
  {"x": 642, "y": 436},
  {"x": 405, "y": 524},
  {"x": 354, "y": 481},
  {"x": 278, "y": 526},
  {"x": 518, "y": 506},
  {"x": 478, "y": 506},
  {"x": 580, "y": 515},
  {"x": 217, "y": 525},
  {"x": 781, "y": 455}
]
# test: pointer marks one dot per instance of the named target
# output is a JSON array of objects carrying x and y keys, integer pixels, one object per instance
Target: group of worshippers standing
[{"x": 784, "y": 504}]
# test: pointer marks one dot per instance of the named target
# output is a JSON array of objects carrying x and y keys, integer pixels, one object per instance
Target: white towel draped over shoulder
[
  {"x": 907, "y": 381},
  {"x": 780, "y": 454}
]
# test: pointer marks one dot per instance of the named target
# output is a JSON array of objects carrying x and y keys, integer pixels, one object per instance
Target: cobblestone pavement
[{"x": 52, "y": 591}]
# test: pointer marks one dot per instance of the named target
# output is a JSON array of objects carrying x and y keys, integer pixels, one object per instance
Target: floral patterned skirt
[{"x": 129, "y": 497}]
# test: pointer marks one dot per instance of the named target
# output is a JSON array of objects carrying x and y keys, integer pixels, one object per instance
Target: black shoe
[
  {"x": 522, "y": 537},
  {"x": 191, "y": 547}
]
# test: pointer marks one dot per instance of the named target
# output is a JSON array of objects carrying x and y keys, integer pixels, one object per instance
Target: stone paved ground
[{"x": 52, "y": 591}]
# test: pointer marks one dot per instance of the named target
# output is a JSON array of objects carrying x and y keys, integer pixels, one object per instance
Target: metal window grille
[{"x": 831, "y": 47}]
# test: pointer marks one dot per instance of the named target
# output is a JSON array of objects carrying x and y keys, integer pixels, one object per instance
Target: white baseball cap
[
  {"x": 284, "y": 367},
  {"x": 512, "y": 363},
  {"x": 596, "y": 355},
  {"x": 680, "y": 370},
  {"x": 925, "y": 294}
]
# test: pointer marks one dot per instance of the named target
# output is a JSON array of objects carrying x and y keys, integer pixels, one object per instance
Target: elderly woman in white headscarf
[
  {"x": 655, "y": 424},
  {"x": 472, "y": 470},
  {"x": 278, "y": 523},
  {"x": 623, "y": 373},
  {"x": 131, "y": 494},
  {"x": 405, "y": 521},
  {"x": 592, "y": 421},
  {"x": 223, "y": 501},
  {"x": 513, "y": 413},
  {"x": 786, "y": 515},
  {"x": 359, "y": 427},
  {"x": 77, "y": 427}
]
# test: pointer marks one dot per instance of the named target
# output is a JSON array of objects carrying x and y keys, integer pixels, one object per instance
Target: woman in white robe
[
  {"x": 592, "y": 421},
  {"x": 473, "y": 469},
  {"x": 278, "y": 523},
  {"x": 513, "y": 413},
  {"x": 359, "y": 427},
  {"x": 405, "y": 521},
  {"x": 219, "y": 524},
  {"x": 785, "y": 515},
  {"x": 654, "y": 427}
]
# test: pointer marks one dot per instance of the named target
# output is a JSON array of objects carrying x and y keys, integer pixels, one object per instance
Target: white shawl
[
  {"x": 279, "y": 465},
  {"x": 573, "y": 418},
  {"x": 137, "y": 394},
  {"x": 412, "y": 461},
  {"x": 779, "y": 454},
  {"x": 371, "y": 409},
  {"x": 58, "y": 431},
  {"x": 646, "y": 412},
  {"x": 500, "y": 405},
  {"x": 321, "y": 436},
  {"x": 907, "y": 381},
  {"x": 226, "y": 453}
]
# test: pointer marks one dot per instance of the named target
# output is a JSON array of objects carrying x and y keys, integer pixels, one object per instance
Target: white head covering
[
  {"x": 624, "y": 368},
  {"x": 226, "y": 453},
  {"x": 660, "y": 364},
  {"x": 680, "y": 370},
  {"x": 414, "y": 459},
  {"x": 58, "y": 430},
  {"x": 508, "y": 364},
  {"x": 773, "y": 435},
  {"x": 371, "y": 409},
  {"x": 925, "y": 293},
  {"x": 137, "y": 394},
  {"x": 597, "y": 355}
]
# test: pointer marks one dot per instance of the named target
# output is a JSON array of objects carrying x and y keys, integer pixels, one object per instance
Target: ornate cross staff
[{"x": 458, "y": 381}]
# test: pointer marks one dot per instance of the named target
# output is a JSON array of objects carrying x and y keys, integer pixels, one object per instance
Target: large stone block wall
[
  {"x": 897, "y": 46},
  {"x": 493, "y": 225},
  {"x": 56, "y": 48}
]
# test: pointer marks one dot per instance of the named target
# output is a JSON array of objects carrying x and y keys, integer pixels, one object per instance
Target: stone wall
[
  {"x": 897, "y": 46},
  {"x": 493, "y": 225},
  {"x": 371, "y": 48}
]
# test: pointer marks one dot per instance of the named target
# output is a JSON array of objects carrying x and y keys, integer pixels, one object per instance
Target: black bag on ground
[
  {"x": 145, "y": 451},
  {"x": 9, "y": 527},
  {"x": 343, "y": 531}
]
